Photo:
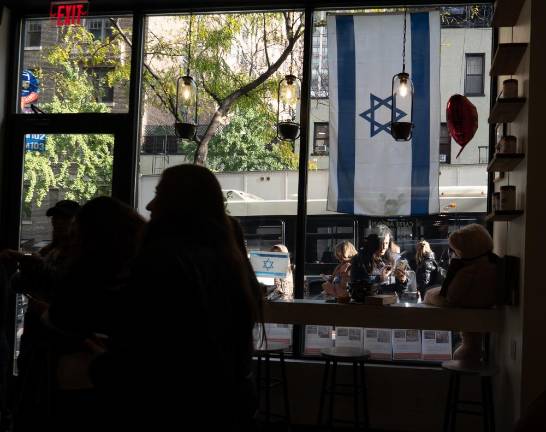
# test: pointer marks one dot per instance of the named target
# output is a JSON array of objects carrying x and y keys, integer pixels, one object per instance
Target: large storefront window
[
  {"x": 462, "y": 181},
  {"x": 59, "y": 168},
  {"x": 76, "y": 69},
  {"x": 237, "y": 61},
  {"x": 462, "y": 184}
]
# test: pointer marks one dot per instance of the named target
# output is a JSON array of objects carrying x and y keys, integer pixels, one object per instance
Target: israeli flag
[{"x": 370, "y": 172}]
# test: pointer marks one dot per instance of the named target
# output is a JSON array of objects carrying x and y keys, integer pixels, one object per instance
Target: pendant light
[
  {"x": 186, "y": 99},
  {"x": 402, "y": 98}
]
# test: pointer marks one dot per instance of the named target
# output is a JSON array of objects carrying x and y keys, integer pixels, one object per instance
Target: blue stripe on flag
[
  {"x": 420, "y": 145},
  {"x": 346, "y": 112}
]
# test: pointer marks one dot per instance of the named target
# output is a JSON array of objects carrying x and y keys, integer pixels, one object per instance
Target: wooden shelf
[
  {"x": 503, "y": 162},
  {"x": 507, "y": 58},
  {"x": 506, "y": 13},
  {"x": 503, "y": 215},
  {"x": 506, "y": 110}
]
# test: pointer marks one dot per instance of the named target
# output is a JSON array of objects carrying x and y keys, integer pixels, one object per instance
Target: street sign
[{"x": 35, "y": 142}]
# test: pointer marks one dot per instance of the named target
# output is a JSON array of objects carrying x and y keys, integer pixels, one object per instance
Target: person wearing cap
[{"x": 62, "y": 216}]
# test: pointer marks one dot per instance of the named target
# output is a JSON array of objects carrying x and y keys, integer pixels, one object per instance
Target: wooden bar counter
[{"x": 400, "y": 315}]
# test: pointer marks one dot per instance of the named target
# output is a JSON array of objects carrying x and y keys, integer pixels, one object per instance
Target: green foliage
[
  {"x": 80, "y": 166},
  {"x": 248, "y": 143},
  {"x": 228, "y": 51}
]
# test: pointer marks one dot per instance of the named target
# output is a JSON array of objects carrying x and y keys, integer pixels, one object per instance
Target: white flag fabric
[{"x": 370, "y": 172}]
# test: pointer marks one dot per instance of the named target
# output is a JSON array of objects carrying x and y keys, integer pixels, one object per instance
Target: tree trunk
[
  {"x": 200, "y": 156},
  {"x": 202, "y": 150}
]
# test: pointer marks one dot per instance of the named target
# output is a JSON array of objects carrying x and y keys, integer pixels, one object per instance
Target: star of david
[
  {"x": 268, "y": 264},
  {"x": 369, "y": 115}
]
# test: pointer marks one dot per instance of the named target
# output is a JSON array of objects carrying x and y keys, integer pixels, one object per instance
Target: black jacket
[{"x": 424, "y": 272}]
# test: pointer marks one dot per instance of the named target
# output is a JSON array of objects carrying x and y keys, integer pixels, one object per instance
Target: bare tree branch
[
  {"x": 210, "y": 92},
  {"x": 201, "y": 152},
  {"x": 166, "y": 99},
  {"x": 265, "y": 45}
]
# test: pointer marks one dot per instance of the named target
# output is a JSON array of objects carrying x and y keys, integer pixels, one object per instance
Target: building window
[
  {"x": 483, "y": 154},
  {"x": 101, "y": 28},
  {"x": 445, "y": 144},
  {"x": 474, "y": 76},
  {"x": 103, "y": 91},
  {"x": 33, "y": 34},
  {"x": 321, "y": 139}
]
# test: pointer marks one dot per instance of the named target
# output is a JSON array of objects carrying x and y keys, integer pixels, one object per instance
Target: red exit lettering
[{"x": 66, "y": 13}]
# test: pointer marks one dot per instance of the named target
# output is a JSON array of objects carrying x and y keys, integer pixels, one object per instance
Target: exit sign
[{"x": 66, "y": 13}]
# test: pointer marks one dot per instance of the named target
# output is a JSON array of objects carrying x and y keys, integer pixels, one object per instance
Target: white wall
[
  {"x": 456, "y": 43},
  {"x": 462, "y": 189}
]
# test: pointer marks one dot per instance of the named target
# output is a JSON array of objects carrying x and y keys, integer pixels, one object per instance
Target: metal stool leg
[
  {"x": 364, "y": 396},
  {"x": 259, "y": 379},
  {"x": 449, "y": 402},
  {"x": 285, "y": 389},
  {"x": 491, "y": 403},
  {"x": 331, "y": 394},
  {"x": 267, "y": 388},
  {"x": 485, "y": 404},
  {"x": 355, "y": 394},
  {"x": 455, "y": 403},
  {"x": 323, "y": 391},
  {"x": 488, "y": 409}
]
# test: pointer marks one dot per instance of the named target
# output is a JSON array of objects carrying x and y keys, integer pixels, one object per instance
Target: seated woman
[
  {"x": 375, "y": 265},
  {"x": 284, "y": 286},
  {"x": 336, "y": 284}
]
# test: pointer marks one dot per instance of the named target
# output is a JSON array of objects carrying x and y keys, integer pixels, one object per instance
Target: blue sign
[{"x": 35, "y": 142}]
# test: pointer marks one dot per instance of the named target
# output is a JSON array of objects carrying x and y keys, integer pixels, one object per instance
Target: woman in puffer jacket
[
  {"x": 426, "y": 265},
  {"x": 471, "y": 282}
]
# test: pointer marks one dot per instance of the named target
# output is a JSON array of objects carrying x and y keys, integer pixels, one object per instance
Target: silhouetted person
[
  {"x": 183, "y": 353},
  {"x": 37, "y": 279},
  {"x": 83, "y": 313}
]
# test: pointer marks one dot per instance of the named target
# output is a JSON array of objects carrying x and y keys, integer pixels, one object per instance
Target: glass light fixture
[
  {"x": 186, "y": 107},
  {"x": 402, "y": 99},
  {"x": 289, "y": 95},
  {"x": 185, "y": 123}
]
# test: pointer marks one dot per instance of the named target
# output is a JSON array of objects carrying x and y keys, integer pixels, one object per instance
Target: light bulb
[
  {"x": 289, "y": 94},
  {"x": 186, "y": 92},
  {"x": 403, "y": 90}
]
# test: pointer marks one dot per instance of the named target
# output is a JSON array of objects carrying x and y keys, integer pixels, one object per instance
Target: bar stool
[
  {"x": 457, "y": 368},
  {"x": 357, "y": 357},
  {"x": 263, "y": 354}
]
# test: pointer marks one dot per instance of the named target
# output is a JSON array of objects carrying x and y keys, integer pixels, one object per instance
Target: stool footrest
[
  {"x": 340, "y": 393},
  {"x": 476, "y": 413}
]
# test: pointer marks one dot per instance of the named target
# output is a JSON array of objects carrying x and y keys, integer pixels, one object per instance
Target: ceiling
[{"x": 41, "y": 7}]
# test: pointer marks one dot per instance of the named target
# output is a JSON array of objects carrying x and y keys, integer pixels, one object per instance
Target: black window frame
[
  {"x": 105, "y": 27},
  {"x": 468, "y": 56},
  {"x": 316, "y": 138},
  {"x": 485, "y": 158},
  {"x": 29, "y": 32},
  {"x": 126, "y": 157},
  {"x": 447, "y": 145}
]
